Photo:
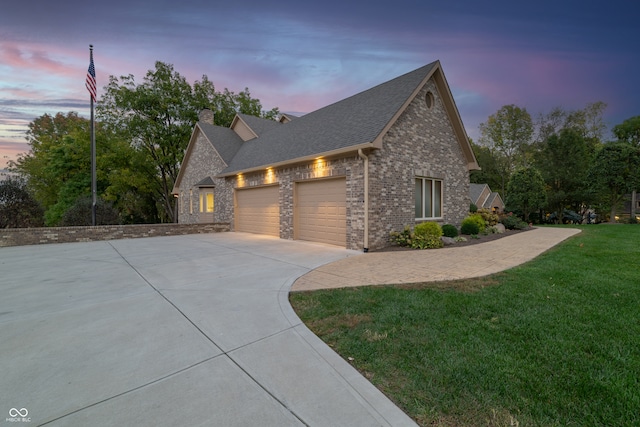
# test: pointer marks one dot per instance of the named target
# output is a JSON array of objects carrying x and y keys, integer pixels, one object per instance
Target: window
[
  {"x": 206, "y": 201},
  {"x": 428, "y": 197},
  {"x": 190, "y": 201},
  {"x": 429, "y": 100}
]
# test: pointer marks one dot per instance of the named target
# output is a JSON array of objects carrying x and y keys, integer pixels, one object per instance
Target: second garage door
[
  {"x": 321, "y": 211},
  {"x": 257, "y": 210}
]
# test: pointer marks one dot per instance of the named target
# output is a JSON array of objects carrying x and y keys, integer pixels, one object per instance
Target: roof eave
[{"x": 304, "y": 159}]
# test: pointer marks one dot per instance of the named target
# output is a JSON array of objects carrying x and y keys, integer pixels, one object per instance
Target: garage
[
  {"x": 257, "y": 210},
  {"x": 321, "y": 211}
]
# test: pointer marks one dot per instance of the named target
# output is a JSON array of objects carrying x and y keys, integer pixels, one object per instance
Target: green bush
[
  {"x": 473, "y": 224},
  {"x": 477, "y": 218},
  {"x": 449, "y": 230},
  {"x": 427, "y": 236},
  {"x": 402, "y": 238},
  {"x": 513, "y": 222},
  {"x": 473, "y": 208},
  {"x": 489, "y": 217}
]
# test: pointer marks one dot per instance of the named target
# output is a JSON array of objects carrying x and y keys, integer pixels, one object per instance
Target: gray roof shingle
[
  {"x": 224, "y": 140},
  {"x": 258, "y": 124},
  {"x": 475, "y": 190},
  {"x": 355, "y": 120}
]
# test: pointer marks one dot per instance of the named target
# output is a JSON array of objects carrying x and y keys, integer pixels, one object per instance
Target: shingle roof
[
  {"x": 206, "y": 182},
  {"x": 258, "y": 124},
  {"x": 225, "y": 141},
  {"x": 355, "y": 120},
  {"x": 475, "y": 190}
]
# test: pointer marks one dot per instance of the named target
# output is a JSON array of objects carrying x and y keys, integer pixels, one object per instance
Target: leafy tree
[
  {"x": 489, "y": 162},
  {"x": 80, "y": 213},
  {"x": 526, "y": 191},
  {"x": 508, "y": 134},
  {"x": 46, "y": 135},
  {"x": 628, "y": 131},
  {"x": 615, "y": 172},
  {"x": 564, "y": 162},
  {"x": 157, "y": 117},
  {"x": 18, "y": 209}
]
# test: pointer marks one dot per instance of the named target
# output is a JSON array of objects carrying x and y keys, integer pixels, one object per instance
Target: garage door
[
  {"x": 321, "y": 211},
  {"x": 257, "y": 210}
]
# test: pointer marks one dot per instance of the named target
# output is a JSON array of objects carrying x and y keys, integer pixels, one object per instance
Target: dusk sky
[{"x": 300, "y": 56}]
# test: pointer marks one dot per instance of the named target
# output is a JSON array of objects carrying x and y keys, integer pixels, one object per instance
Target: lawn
[{"x": 554, "y": 342}]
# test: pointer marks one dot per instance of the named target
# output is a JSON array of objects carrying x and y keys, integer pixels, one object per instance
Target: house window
[
  {"x": 428, "y": 197},
  {"x": 206, "y": 201},
  {"x": 190, "y": 201},
  {"x": 429, "y": 100}
]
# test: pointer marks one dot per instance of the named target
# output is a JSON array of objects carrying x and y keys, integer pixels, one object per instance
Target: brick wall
[
  {"x": 36, "y": 236},
  {"x": 421, "y": 143},
  {"x": 350, "y": 167},
  {"x": 203, "y": 162}
]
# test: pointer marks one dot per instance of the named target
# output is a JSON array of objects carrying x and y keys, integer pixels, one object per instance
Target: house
[
  {"x": 482, "y": 196},
  {"x": 347, "y": 174}
]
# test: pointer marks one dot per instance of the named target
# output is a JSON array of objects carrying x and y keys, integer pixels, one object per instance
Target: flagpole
[{"x": 94, "y": 189}]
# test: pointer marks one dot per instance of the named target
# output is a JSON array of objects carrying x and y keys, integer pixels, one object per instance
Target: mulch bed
[{"x": 481, "y": 239}]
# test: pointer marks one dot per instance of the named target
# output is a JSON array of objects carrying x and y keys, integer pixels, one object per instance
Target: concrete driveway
[{"x": 166, "y": 331}]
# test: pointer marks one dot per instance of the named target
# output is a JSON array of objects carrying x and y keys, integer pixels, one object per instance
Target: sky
[{"x": 300, "y": 56}]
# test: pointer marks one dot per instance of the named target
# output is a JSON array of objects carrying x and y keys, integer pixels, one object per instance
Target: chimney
[{"x": 206, "y": 116}]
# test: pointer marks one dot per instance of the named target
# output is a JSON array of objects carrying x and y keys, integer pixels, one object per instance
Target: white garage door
[
  {"x": 257, "y": 210},
  {"x": 321, "y": 211}
]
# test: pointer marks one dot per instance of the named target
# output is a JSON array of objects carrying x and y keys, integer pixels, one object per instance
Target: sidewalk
[{"x": 433, "y": 265}]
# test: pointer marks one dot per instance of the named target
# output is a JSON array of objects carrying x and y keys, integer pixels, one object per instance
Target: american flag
[{"x": 90, "y": 83}]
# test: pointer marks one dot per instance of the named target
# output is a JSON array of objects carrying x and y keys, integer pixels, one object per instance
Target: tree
[
  {"x": 58, "y": 167},
  {"x": 564, "y": 161},
  {"x": 508, "y": 132},
  {"x": 46, "y": 135},
  {"x": 18, "y": 209},
  {"x": 615, "y": 172},
  {"x": 79, "y": 214},
  {"x": 157, "y": 118},
  {"x": 526, "y": 191},
  {"x": 489, "y": 162},
  {"x": 628, "y": 131}
]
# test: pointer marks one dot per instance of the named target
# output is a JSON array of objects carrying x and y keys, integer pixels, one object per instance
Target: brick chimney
[{"x": 206, "y": 116}]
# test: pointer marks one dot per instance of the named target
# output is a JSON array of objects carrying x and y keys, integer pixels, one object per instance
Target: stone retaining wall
[{"x": 42, "y": 235}]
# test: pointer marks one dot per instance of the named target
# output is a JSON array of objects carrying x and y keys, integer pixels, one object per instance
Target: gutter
[{"x": 366, "y": 199}]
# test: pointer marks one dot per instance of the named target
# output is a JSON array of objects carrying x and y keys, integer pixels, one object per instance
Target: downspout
[{"x": 366, "y": 199}]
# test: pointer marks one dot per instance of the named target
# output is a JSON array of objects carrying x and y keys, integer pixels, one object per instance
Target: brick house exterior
[{"x": 399, "y": 148}]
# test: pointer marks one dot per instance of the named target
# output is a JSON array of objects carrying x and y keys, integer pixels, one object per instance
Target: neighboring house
[
  {"x": 482, "y": 196},
  {"x": 347, "y": 174}
]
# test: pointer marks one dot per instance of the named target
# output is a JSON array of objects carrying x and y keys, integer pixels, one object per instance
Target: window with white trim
[{"x": 428, "y": 198}]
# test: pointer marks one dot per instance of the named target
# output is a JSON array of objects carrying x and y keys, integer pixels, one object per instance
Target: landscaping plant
[{"x": 449, "y": 230}]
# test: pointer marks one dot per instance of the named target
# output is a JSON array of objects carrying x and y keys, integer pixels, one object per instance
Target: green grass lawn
[{"x": 554, "y": 342}]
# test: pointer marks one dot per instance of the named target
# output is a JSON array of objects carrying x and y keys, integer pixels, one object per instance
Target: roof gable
[{"x": 359, "y": 121}]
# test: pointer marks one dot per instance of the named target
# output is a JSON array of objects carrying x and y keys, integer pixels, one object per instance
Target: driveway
[{"x": 166, "y": 331}]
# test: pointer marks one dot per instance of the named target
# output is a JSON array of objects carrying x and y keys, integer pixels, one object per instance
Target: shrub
[
  {"x": 489, "y": 217},
  {"x": 402, "y": 238},
  {"x": 427, "y": 236},
  {"x": 513, "y": 222},
  {"x": 469, "y": 227},
  {"x": 424, "y": 236},
  {"x": 473, "y": 208},
  {"x": 449, "y": 230},
  {"x": 478, "y": 220}
]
